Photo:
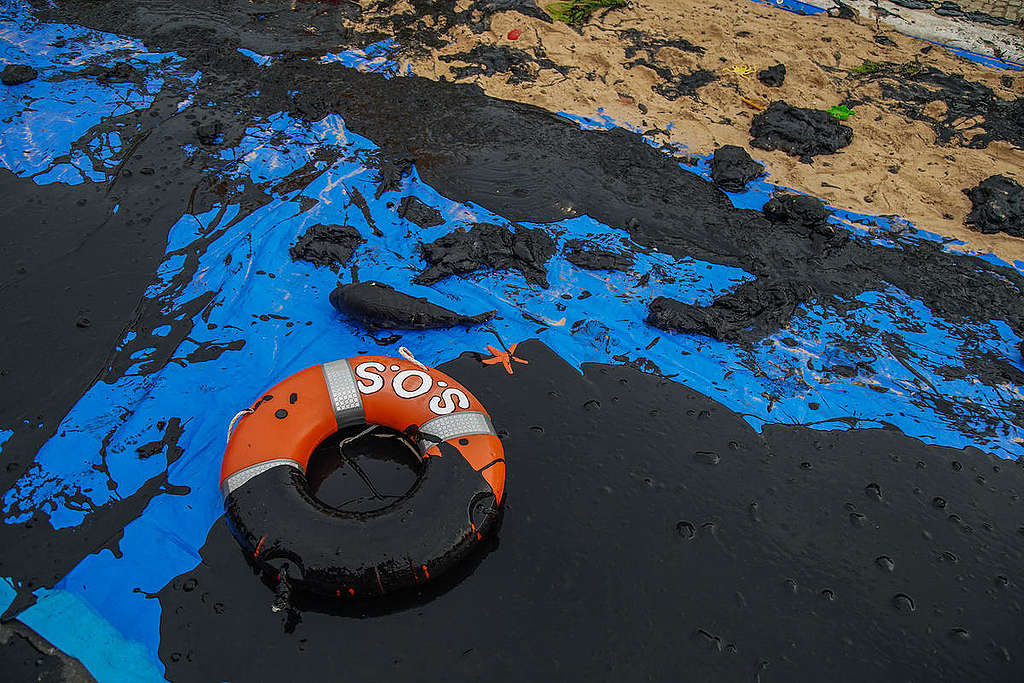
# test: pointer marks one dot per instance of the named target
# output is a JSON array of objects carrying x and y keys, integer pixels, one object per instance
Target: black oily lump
[
  {"x": 998, "y": 206},
  {"x": 16, "y": 74},
  {"x": 773, "y": 76},
  {"x": 327, "y": 245},
  {"x": 798, "y": 132},
  {"x": 732, "y": 168},
  {"x": 486, "y": 246}
]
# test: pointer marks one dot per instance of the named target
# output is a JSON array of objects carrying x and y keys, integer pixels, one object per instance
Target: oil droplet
[
  {"x": 873, "y": 490},
  {"x": 903, "y": 603},
  {"x": 686, "y": 530},
  {"x": 707, "y": 457},
  {"x": 709, "y": 640},
  {"x": 885, "y": 562}
]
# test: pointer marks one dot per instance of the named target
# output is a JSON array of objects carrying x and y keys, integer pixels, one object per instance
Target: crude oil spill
[
  {"x": 672, "y": 85},
  {"x": 380, "y": 306},
  {"x": 798, "y": 131},
  {"x": 997, "y": 205},
  {"x": 677, "y": 540},
  {"x": 973, "y": 115},
  {"x": 590, "y": 256},
  {"x": 491, "y": 60},
  {"x": 614, "y": 177}
]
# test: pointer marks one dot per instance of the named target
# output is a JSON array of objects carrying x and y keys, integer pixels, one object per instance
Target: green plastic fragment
[{"x": 842, "y": 112}]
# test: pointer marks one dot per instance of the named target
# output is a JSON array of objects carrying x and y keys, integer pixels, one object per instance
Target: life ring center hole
[{"x": 366, "y": 474}]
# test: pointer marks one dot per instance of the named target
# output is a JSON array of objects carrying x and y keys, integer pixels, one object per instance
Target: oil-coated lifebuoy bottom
[{"x": 433, "y": 527}]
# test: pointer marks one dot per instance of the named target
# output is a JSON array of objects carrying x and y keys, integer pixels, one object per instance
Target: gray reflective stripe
[
  {"x": 237, "y": 479},
  {"x": 345, "y": 397},
  {"x": 453, "y": 426}
]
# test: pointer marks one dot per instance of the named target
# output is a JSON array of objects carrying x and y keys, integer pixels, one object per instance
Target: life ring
[{"x": 454, "y": 504}]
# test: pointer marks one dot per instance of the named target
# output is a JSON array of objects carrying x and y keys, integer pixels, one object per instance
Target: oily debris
[
  {"x": 799, "y": 209},
  {"x": 486, "y": 246},
  {"x": 16, "y": 74},
  {"x": 592, "y": 256},
  {"x": 380, "y": 306},
  {"x": 990, "y": 368},
  {"x": 420, "y": 213},
  {"x": 327, "y": 245},
  {"x": 637, "y": 41},
  {"x": 798, "y": 131},
  {"x": 997, "y": 206},
  {"x": 732, "y": 168},
  {"x": 751, "y": 311},
  {"x": 773, "y": 76},
  {"x": 491, "y": 60},
  {"x": 676, "y": 85},
  {"x": 391, "y": 170},
  {"x": 673, "y": 85},
  {"x": 210, "y": 132},
  {"x": 118, "y": 72}
]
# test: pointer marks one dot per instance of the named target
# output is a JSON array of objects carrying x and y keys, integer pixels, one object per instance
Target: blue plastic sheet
[{"x": 271, "y": 316}]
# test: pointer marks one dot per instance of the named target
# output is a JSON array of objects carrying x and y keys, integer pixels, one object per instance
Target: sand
[{"x": 894, "y": 165}]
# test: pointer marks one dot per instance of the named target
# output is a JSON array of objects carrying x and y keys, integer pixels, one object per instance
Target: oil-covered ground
[{"x": 749, "y": 436}]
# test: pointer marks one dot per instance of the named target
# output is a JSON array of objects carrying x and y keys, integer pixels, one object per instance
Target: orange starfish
[{"x": 504, "y": 357}]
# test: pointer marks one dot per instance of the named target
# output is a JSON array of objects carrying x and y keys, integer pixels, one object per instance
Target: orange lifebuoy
[{"x": 271, "y": 509}]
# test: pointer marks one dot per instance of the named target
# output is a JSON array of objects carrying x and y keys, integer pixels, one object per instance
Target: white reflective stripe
[
  {"x": 345, "y": 397},
  {"x": 239, "y": 478},
  {"x": 453, "y": 426}
]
